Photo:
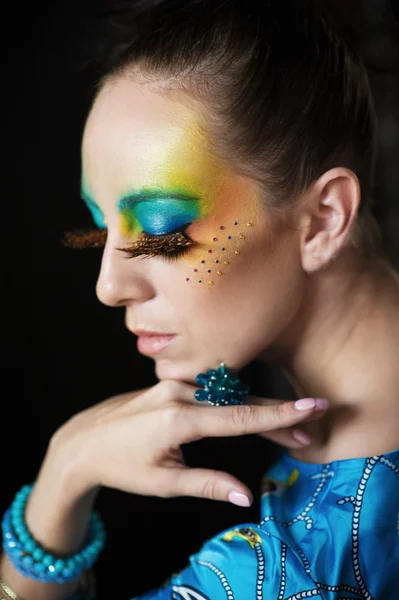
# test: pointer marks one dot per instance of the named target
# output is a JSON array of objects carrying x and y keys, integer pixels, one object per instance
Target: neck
[{"x": 344, "y": 346}]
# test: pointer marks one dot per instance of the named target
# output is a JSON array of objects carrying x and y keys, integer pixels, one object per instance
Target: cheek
[
  {"x": 225, "y": 236},
  {"x": 208, "y": 264},
  {"x": 253, "y": 300}
]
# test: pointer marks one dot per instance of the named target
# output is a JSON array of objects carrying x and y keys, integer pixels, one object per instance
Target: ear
[{"x": 327, "y": 216}]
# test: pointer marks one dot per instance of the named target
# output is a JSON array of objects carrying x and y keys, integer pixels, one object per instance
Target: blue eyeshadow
[
  {"x": 164, "y": 215},
  {"x": 96, "y": 213}
]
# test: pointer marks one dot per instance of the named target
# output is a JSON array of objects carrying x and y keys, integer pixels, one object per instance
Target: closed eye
[{"x": 172, "y": 246}]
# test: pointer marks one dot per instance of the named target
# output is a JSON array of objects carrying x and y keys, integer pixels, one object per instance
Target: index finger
[{"x": 243, "y": 419}]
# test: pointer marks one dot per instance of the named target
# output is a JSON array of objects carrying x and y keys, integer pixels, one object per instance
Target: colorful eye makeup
[
  {"x": 96, "y": 213},
  {"x": 157, "y": 213},
  {"x": 160, "y": 217},
  {"x": 187, "y": 203},
  {"x": 171, "y": 246}
]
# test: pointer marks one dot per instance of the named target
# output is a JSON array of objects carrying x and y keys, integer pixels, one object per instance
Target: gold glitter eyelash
[
  {"x": 171, "y": 245},
  {"x": 84, "y": 238}
]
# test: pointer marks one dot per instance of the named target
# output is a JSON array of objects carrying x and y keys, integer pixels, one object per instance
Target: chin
[
  {"x": 187, "y": 371},
  {"x": 169, "y": 369}
]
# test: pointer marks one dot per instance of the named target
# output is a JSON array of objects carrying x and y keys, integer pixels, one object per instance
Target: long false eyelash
[
  {"x": 84, "y": 238},
  {"x": 172, "y": 246}
]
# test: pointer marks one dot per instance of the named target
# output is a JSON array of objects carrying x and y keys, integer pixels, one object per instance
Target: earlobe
[{"x": 329, "y": 214}]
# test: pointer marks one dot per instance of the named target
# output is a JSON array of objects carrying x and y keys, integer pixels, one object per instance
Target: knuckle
[
  {"x": 169, "y": 389},
  {"x": 210, "y": 489},
  {"x": 279, "y": 413},
  {"x": 243, "y": 416},
  {"x": 170, "y": 414}
]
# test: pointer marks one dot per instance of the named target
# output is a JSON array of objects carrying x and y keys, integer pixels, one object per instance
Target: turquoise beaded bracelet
[{"x": 32, "y": 561}]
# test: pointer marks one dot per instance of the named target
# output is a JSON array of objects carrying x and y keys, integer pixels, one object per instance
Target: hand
[{"x": 132, "y": 442}]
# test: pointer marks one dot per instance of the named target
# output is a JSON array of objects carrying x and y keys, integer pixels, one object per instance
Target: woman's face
[{"x": 148, "y": 167}]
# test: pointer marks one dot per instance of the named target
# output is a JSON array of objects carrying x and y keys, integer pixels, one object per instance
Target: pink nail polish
[
  {"x": 239, "y": 499},
  {"x": 322, "y": 403},
  {"x": 301, "y": 436},
  {"x": 305, "y": 403}
]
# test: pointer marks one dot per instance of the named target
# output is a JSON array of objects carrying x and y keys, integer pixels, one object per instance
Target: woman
[{"x": 233, "y": 147}]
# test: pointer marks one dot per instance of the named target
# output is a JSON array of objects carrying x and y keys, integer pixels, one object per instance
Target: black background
[{"x": 63, "y": 351}]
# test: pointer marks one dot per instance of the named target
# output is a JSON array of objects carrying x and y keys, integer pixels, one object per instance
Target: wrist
[
  {"x": 59, "y": 497},
  {"x": 65, "y": 460}
]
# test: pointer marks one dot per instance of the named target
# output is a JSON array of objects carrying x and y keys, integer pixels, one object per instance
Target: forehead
[{"x": 137, "y": 136}]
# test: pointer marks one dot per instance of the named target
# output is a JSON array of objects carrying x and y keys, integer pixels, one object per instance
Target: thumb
[{"x": 212, "y": 484}]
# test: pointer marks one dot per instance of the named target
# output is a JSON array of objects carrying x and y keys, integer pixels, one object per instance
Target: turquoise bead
[
  {"x": 59, "y": 564},
  {"x": 30, "y": 546},
  {"x": 11, "y": 545},
  {"x": 71, "y": 563},
  {"x": 27, "y": 561},
  {"x": 24, "y": 537},
  {"x": 19, "y": 530},
  {"x": 38, "y": 553},
  {"x": 29, "y": 555},
  {"x": 17, "y": 520},
  {"x": 48, "y": 560},
  {"x": 18, "y": 525}
]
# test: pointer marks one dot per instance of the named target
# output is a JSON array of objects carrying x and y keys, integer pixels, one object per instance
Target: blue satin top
[{"x": 327, "y": 531}]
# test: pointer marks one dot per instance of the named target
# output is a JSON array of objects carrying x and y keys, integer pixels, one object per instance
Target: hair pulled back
[{"x": 288, "y": 94}]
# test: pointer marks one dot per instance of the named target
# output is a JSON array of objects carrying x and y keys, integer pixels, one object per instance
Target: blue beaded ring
[
  {"x": 30, "y": 559},
  {"x": 220, "y": 387}
]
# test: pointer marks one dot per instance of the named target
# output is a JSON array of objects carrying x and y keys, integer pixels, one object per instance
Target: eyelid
[
  {"x": 129, "y": 201},
  {"x": 164, "y": 215}
]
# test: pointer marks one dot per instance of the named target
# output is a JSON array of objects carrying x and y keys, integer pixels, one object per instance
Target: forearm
[{"x": 57, "y": 515}]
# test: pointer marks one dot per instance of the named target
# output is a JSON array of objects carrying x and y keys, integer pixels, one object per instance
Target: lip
[
  {"x": 148, "y": 333},
  {"x": 154, "y": 343}
]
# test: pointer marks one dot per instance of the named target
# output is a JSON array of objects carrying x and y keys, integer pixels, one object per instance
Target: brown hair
[{"x": 288, "y": 95}]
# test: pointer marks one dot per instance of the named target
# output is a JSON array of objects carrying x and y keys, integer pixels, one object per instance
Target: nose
[{"x": 121, "y": 280}]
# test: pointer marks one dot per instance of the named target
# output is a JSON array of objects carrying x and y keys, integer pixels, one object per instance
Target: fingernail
[
  {"x": 301, "y": 436},
  {"x": 305, "y": 403},
  {"x": 239, "y": 499},
  {"x": 322, "y": 403}
]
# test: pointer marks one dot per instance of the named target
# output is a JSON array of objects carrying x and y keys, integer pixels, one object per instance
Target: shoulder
[{"x": 244, "y": 563}]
